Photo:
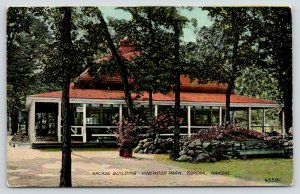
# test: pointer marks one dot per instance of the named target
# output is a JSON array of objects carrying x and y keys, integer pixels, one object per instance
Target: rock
[
  {"x": 158, "y": 151},
  {"x": 198, "y": 142},
  {"x": 202, "y": 158},
  {"x": 198, "y": 151},
  {"x": 191, "y": 152},
  {"x": 147, "y": 144},
  {"x": 192, "y": 145},
  {"x": 141, "y": 152},
  {"x": 150, "y": 151},
  {"x": 198, "y": 147},
  {"x": 137, "y": 149},
  {"x": 206, "y": 144},
  {"x": 184, "y": 158},
  {"x": 213, "y": 160},
  {"x": 152, "y": 147},
  {"x": 169, "y": 151},
  {"x": 182, "y": 152}
]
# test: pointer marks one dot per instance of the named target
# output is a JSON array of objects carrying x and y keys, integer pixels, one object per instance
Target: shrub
[
  {"x": 234, "y": 132},
  {"x": 127, "y": 132},
  {"x": 161, "y": 124}
]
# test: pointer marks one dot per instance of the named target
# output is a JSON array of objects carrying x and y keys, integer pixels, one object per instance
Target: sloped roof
[{"x": 185, "y": 96}]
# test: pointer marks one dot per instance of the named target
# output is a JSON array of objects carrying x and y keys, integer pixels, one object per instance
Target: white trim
[
  {"x": 183, "y": 103},
  {"x": 120, "y": 113},
  {"x": 249, "y": 118},
  {"x": 84, "y": 124},
  {"x": 220, "y": 115},
  {"x": 189, "y": 120},
  {"x": 155, "y": 110},
  {"x": 31, "y": 122},
  {"x": 264, "y": 121}
]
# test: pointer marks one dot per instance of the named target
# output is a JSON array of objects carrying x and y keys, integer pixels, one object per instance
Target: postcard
[{"x": 149, "y": 96}]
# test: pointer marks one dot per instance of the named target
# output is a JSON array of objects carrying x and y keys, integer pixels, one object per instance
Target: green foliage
[{"x": 258, "y": 83}]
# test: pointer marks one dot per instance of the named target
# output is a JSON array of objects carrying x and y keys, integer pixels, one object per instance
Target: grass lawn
[{"x": 254, "y": 169}]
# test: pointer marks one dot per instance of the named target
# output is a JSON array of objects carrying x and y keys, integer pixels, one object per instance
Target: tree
[
  {"x": 274, "y": 26},
  {"x": 122, "y": 66},
  {"x": 66, "y": 43},
  {"x": 151, "y": 68},
  {"x": 227, "y": 47},
  {"x": 26, "y": 40}
]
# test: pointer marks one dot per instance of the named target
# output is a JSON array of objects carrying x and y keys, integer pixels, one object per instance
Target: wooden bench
[{"x": 245, "y": 153}]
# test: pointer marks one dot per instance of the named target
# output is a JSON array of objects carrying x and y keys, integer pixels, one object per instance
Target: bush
[
  {"x": 233, "y": 132},
  {"x": 127, "y": 132}
]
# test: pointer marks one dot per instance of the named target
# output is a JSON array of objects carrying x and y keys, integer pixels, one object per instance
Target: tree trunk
[
  {"x": 122, "y": 66},
  {"x": 287, "y": 94},
  {"x": 230, "y": 86},
  {"x": 65, "y": 177},
  {"x": 150, "y": 103},
  {"x": 176, "y": 146},
  {"x": 227, "y": 107},
  {"x": 14, "y": 121}
]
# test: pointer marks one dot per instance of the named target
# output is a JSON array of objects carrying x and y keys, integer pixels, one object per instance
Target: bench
[{"x": 245, "y": 153}]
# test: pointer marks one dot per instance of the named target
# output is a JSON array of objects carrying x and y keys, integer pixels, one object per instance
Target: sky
[{"x": 188, "y": 32}]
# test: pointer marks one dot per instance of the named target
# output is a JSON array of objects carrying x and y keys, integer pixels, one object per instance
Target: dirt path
[{"x": 28, "y": 167}]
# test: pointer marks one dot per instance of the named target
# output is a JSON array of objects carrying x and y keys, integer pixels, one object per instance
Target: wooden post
[
  {"x": 120, "y": 113},
  {"x": 189, "y": 121},
  {"x": 59, "y": 123},
  {"x": 155, "y": 110},
  {"x": 249, "y": 118},
  {"x": 84, "y": 124},
  {"x": 283, "y": 123},
  {"x": 264, "y": 120},
  {"x": 220, "y": 115}
]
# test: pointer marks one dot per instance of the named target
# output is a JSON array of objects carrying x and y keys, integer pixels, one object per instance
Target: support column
[
  {"x": 31, "y": 122},
  {"x": 120, "y": 113},
  {"x": 59, "y": 123},
  {"x": 249, "y": 118},
  {"x": 155, "y": 110},
  {"x": 84, "y": 124},
  {"x": 264, "y": 120},
  {"x": 283, "y": 123},
  {"x": 189, "y": 121},
  {"x": 220, "y": 115}
]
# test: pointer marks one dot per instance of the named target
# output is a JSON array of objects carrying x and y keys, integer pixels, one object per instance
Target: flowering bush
[
  {"x": 161, "y": 124},
  {"x": 234, "y": 132},
  {"x": 127, "y": 132}
]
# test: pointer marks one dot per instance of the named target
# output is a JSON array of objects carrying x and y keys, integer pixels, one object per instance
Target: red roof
[
  {"x": 185, "y": 96},
  {"x": 213, "y": 92}
]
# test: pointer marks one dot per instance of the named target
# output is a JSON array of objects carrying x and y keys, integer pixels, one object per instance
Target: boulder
[
  {"x": 206, "y": 144},
  {"x": 213, "y": 160},
  {"x": 198, "y": 151},
  {"x": 191, "y": 152},
  {"x": 202, "y": 157},
  {"x": 184, "y": 158},
  {"x": 158, "y": 151},
  {"x": 192, "y": 145},
  {"x": 150, "y": 152},
  {"x": 198, "y": 142},
  {"x": 147, "y": 144},
  {"x": 182, "y": 152},
  {"x": 152, "y": 147},
  {"x": 137, "y": 149},
  {"x": 198, "y": 147},
  {"x": 141, "y": 152}
]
